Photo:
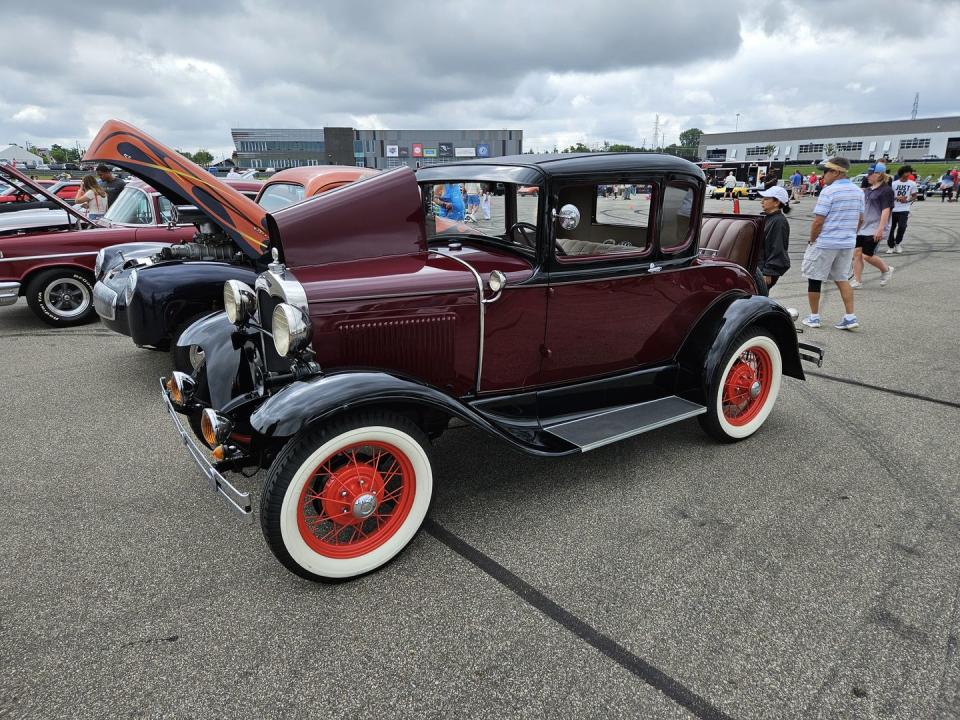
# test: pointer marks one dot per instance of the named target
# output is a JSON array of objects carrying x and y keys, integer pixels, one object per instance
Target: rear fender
[
  {"x": 305, "y": 402},
  {"x": 221, "y": 342},
  {"x": 705, "y": 345}
]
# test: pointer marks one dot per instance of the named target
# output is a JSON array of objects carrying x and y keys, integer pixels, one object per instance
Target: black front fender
[
  {"x": 705, "y": 346},
  {"x": 221, "y": 342},
  {"x": 304, "y": 402}
]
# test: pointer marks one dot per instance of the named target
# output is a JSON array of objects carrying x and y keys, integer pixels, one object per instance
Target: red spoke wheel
[
  {"x": 344, "y": 498},
  {"x": 745, "y": 388}
]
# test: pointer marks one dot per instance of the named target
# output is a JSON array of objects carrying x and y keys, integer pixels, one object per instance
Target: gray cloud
[{"x": 563, "y": 72}]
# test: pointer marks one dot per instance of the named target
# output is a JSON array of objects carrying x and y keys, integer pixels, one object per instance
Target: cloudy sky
[{"x": 561, "y": 71}]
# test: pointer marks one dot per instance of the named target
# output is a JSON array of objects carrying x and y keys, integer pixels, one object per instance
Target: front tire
[
  {"x": 745, "y": 387},
  {"x": 62, "y": 297},
  {"x": 345, "y": 498}
]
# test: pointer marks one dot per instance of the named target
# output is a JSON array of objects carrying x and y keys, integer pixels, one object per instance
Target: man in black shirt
[{"x": 113, "y": 185}]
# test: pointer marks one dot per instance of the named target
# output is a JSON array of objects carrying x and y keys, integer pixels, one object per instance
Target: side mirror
[{"x": 568, "y": 217}]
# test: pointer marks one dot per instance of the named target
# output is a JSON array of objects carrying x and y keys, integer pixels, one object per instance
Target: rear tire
[
  {"x": 62, "y": 297},
  {"x": 344, "y": 498},
  {"x": 744, "y": 389}
]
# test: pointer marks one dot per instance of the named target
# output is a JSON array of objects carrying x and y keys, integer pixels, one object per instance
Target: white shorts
[{"x": 826, "y": 264}]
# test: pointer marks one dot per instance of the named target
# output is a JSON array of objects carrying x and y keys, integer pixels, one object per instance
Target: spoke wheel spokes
[
  {"x": 747, "y": 386},
  {"x": 356, "y": 499}
]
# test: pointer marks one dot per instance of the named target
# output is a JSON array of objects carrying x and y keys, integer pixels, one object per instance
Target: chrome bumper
[
  {"x": 239, "y": 501},
  {"x": 811, "y": 353},
  {"x": 9, "y": 292},
  {"x": 105, "y": 301}
]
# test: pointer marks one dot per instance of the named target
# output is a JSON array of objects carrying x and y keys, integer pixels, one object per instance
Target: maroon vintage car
[
  {"x": 48, "y": 248},
  {"x": 563, "y": 323}
]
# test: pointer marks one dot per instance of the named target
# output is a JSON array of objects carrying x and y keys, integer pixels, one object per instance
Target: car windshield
[
  {"x": 502, "y": 212},
  {"x": 132, "y": 207},
  {"x": 279, "y": 195}
]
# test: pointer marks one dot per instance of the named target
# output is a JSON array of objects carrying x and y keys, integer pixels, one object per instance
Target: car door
[{"x": 612, "y": 289}]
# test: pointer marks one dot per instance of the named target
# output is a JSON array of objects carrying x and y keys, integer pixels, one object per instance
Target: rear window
[{"x": 280, "y": 195}]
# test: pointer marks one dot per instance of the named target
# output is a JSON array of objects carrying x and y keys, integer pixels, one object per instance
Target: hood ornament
[{"x": 276, "y": 266}]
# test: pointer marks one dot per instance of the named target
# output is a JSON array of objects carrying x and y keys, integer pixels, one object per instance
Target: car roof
[
  {"x": 560, "y": 164},
  {"x": 316, "y": 177}
]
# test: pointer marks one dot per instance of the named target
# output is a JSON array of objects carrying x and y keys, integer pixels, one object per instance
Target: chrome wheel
[{"x": 67, "y": 298}]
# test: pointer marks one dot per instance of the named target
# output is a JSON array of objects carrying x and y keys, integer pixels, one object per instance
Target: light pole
[{"x": 738, "y": 123}]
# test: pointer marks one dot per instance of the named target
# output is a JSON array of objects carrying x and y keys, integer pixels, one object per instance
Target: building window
[
  {"x": 756, "y": 151},
  {"x": 717, "y": 154},
  {"x": 849, "y": 146},
  {"x": 360, "y": 163},
  {"x": 810, "y": 148},
  {"x": 919, "y": 143}
]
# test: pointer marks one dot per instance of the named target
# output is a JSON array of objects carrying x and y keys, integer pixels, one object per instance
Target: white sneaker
[
  {"x": 885, "y": 277},
  {"x": 855, "y": 284},
  {"x": 888, "y": 251},
  {"x": 898, "y": 250}
]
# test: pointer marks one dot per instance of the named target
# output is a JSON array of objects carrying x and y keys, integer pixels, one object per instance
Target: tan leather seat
[
  {"x": 585, "y": 247},
  {"x": 732, "y": 239}
]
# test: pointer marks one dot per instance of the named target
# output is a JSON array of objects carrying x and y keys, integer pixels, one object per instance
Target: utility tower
[
  {"x": 656, "y": 130},
  {"x": 916, "y": 104}
]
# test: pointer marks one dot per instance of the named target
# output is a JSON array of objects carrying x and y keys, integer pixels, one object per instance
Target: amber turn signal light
[
  {"x": 174, "y": 391},
  {"x": 219, "y": 453}
]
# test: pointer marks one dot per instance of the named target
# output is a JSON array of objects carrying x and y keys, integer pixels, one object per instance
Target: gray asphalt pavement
[{"x": 811, "y": 571}]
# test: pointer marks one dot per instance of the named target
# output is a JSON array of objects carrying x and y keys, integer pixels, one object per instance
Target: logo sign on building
[
  {"x": 446, "y": 149},
  {"x": 465, "y": 152},
  {"x": 416, "y": 150},
  {"x": 404, "y": 151},
  {"x": 483, "y": 150},
  {"x": 393, "y": 151},
  {"x": 430, "y": 152}
]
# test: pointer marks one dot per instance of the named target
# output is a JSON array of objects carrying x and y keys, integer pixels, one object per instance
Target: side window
[
  {"x": 280, "y": 195},
  {"x": 165, "y": 207},
  {"x": 614, "y": 220},
  {"x": 677, "y": 210}
]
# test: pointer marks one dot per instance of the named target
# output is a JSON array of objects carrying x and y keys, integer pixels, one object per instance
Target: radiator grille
[{"x": 420, "y": 346}]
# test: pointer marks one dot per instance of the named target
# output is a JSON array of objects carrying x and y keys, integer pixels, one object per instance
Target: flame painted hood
[{"x": 123, "y": 145}]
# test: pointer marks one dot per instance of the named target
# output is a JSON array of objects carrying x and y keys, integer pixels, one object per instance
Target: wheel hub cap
[
  {"x": 755, "y": 389},
  {"x": 364, "y": 506}
]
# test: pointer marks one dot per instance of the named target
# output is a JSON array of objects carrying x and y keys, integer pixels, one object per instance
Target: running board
[{"x": 610, "y": 426}]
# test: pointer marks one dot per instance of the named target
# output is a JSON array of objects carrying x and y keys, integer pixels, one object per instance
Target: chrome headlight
[
  {"x": 131, "y": 286},
  {"x": 239, "y": 301},
  {"x": 98, "y": 265},
  {"x": 291, "y": 330}
]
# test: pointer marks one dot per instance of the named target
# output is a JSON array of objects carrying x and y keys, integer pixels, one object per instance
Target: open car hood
[
  {"x": 10, "y": 174},
  {"x": 123, "y": 145}
]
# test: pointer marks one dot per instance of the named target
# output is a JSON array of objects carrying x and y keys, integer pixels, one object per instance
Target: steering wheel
[{"x": 526, "y": 231}]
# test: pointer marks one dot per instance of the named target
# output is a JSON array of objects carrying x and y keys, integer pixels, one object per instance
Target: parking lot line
[{"x": 653, "y": 676}]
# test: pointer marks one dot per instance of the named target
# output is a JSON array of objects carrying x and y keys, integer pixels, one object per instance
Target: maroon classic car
[
  {"x": 563, "y": 323},
  {"x": 48, "y": 249}
]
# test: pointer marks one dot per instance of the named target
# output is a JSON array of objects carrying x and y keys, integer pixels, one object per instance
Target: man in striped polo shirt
[{"x": 836, "y": 218}]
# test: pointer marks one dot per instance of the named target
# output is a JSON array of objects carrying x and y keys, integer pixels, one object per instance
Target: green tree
[
  {"x": 620, "y": 147},
  {"x": 768, "y": 149},
  {"x": 830, "y": 149},
  {"x": 578, "y": 148},
  {"x": 58, "y": 154},
  {"x": 691, "y": 138},
  {"x": 202, "y": 157}
]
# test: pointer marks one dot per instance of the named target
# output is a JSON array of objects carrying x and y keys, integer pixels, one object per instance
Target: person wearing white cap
[{"x": 776, "y": 234}]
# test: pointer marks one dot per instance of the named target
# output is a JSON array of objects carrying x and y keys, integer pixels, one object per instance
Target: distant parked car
[{"x": 739, "y": 190}]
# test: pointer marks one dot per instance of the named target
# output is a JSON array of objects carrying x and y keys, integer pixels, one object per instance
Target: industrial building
[
  {"x": 923, "y": 138},
  {"x": 282, "y": 148}
]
